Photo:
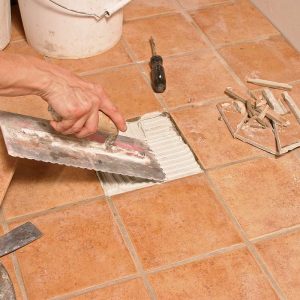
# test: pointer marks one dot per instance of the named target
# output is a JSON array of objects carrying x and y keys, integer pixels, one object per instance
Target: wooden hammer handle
[{"x": 105, "y": 124}]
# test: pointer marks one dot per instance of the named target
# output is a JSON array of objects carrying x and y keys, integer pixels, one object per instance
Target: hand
[{"x": 78, "y": 103}]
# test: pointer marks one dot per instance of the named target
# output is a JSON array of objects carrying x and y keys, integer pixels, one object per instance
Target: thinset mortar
[{"x": 172, "y": 153}]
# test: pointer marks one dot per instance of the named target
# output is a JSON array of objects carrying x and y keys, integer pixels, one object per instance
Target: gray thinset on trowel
[{"x": 172, "y": 153}]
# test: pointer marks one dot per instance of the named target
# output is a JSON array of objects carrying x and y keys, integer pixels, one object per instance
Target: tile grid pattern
[{"x": 249, "y": 243}]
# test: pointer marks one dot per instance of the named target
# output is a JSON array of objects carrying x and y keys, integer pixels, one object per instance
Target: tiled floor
[{"x": 232, "y": 232}]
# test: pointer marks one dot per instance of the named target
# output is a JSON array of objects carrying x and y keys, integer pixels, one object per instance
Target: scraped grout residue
[{"x": 172, "y": 153}]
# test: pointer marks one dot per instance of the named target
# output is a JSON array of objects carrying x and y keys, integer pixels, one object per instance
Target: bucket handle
[{"x": 107, "y": 12}]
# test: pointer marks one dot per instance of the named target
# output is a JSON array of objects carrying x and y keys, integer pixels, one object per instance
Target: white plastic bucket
[
  {"x": 5, "y": 23},
  {"x": 72, "y": 28}
]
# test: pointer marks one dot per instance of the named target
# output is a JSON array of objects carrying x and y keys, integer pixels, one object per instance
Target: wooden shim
[
  {"x": 271, "y": 114},
  {"x": 273, "y": 102},
  {"x": 292, "y": 105},
  {"x": 270, "y": 84}
]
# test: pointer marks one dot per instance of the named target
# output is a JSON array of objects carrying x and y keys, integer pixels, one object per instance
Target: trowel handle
[{"x": 105, "y": 124}]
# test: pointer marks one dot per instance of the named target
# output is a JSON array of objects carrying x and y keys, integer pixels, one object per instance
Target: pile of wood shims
[{"x": 263, "y": 120}]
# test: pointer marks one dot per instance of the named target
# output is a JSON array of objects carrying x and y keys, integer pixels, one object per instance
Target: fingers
[
  {"x": 62, "y": 126},
  {"x": 77, "y": 127},
  {"x": 111, "y": 111},
  {"x": 90, "y": 126}
]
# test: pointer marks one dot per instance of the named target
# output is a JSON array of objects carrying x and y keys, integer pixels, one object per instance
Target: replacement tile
[
  {"x": 81, "y": 247},
  {"x": 22, "y": 47},
  {"x": 263, "y": 194},
  {"x": 175, "y": 221},
  {"x": 143, "y": 8},
  {"x": 169, "y": 41},
  {"x": 274, "y": 59},
  {"x": 172, "y": 153},
  {"x": 233, "y": 23},
  {"x": 129, "y": 290},
  {"x": 282, "y": 255},
  {"x": 229, "y": 276}
]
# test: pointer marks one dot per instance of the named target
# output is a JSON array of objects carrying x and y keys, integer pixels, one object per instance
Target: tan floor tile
[
  {"x": 272, "y": 59},
  {"x": 7, "y": 262},
  {"x": 168, "y": 41},
  {"x": 113, "y": 57},
  {"x": 16, "y": 23},
  {"x": 200, "y": 3},
  {"x": 232, "y": 23},
  {"x": 282, "y": 255},
  {"x": 26, "y": 105},
  {"x": 192, "y": 78},
  {"x": 142, "y": 8},
  {"x": 175, "y": 221},
  {"x": 38, "y": 186},
  {"x": 131, "y": 290},
  {"x": 7, "y": 168},
  {"x": 229, "y": 276},
  {"x": 263, "y": 194},
  {"x": 81, "y": 247},
  {"x": 128, "y": 90},
  {"x": 21, "y": 47},
  {"x": 210, "y": 138}
]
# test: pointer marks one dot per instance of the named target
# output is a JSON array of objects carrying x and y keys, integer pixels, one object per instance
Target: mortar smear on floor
[{"x": 173, "y": 154}]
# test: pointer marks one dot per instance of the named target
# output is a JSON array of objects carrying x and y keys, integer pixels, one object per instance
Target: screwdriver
[{"x": 158, "y": 76}]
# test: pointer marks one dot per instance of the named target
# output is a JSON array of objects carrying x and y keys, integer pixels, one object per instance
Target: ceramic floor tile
[
  {"x": 27, "y": 105},
  {"x": 7, "y": 169},
  {"x": 128, "y": 90},
  {"x": 263, "y": 194},
  {"x": 229, "y": 276},
  {"x": 7, "y": 263},
  {"x": 16, "y": 24},
  {"x": 142, "y": 8},
  {"x": 168, "y": 41},
  {"x": 282, "y": 255},
  {"x": 190, "y": 4},
  {"x": 38, "y": 186},
  {"x": 113, "y": 57},
  {"x": 175, "y": 221},
  {"x": 234, "y": 22},
  {"x": 21, "y": 47},
  {"x": 194, "y": 78},
  {"x": 81, "y": 247},
  {"x": 210, "y": 138},
  {"x": 131, "y": 290},
  {"x": 272, "y": 59}
]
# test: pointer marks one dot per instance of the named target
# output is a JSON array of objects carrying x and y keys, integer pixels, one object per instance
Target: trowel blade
[
  {"x": 7, "y": 291},
  {"x": 33, "y": 138},
  {"x": 18, "y": 238}
]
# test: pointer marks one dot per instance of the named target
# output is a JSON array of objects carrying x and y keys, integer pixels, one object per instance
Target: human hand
[{"x": 78, "y": 103}]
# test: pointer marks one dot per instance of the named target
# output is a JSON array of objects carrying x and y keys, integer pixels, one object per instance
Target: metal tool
[
  {"x": 158, "y": 76},
  {"x": 10, "y": 242},
  {"x": 34, "y": 138}
]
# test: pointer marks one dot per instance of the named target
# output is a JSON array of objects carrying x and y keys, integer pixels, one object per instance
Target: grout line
[
  {"x": 161, "y": 14},
  {"x": 196, "y": 258},
  {"x": 54, "y": 209},
  {"x": 205, "y": 6},
  {"x": 142, "y": 72},
  {"x": 131, "y": 248},
  {"x": 106, "y": 284},
  {"x": 259, "y": 260},
  {"x": 205, "y": 38},
  {"x": 275, "y": 234},
  {"x": 15, "y": 262}
]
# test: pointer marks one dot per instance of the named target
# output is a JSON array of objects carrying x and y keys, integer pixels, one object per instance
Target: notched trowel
[{"x": 34, "y": 138}]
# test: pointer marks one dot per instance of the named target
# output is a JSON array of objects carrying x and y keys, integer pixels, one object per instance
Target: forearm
[{"x": 23, "y": 75}]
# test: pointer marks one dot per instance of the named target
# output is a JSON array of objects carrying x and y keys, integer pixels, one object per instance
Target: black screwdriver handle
[{"x": 158, "y": 76}]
